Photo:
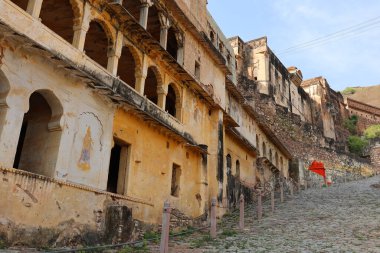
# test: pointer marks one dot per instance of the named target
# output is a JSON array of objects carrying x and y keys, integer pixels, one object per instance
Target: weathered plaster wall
[
  {"x": 82, "y": 128},
  {"x": 152, "y": 155},
  {"x": 38, "y": 211}
]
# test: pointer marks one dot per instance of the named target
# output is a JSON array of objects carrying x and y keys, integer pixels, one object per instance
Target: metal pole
[
  {"x": 164, "y": 246},
  {"x": 241, "y": 220},
  {"x": 213, "y": 218}
]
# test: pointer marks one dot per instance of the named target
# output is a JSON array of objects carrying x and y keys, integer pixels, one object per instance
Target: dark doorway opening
[
  {"x": 113, "y": 174},
  {"x": 20, "y": 145},
  {"x": 118, "y": 168}
]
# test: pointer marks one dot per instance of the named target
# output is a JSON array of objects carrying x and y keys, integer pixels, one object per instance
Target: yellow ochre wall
[{"x": 152, "y": 155}]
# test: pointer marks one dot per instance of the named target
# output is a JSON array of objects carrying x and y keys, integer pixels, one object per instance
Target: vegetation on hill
[
  {"x": 372, "y": 132},
  {"x": 349, "y": 91},
  {"x": 350, "y": 124},
  {"x": 369, "y": 95}
]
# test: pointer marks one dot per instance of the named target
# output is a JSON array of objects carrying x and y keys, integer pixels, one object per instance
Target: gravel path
[{"x": 343, "y": 218}]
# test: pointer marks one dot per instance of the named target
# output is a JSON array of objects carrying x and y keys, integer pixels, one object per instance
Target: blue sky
[{"x": 349, "y": 58}]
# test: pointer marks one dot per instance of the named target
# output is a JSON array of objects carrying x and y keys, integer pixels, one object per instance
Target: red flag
[{"x": 319, "y": 168}]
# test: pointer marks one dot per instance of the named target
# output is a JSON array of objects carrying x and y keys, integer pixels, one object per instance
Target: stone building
[
  {"x": 311, "y": 102},
  {"x": 367, "y": 114},
  {"x": 109, "y": 108}
]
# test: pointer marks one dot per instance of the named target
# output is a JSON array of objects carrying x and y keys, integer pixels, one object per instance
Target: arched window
[
  {"x": 126, "y": 69},
  {"x": 257, "y": 141},
  {"x": 133, "y": 7},
  {"x": 59, "y": 17},
  {"x": 237, "y": 174},
  {"x": 40, "y": 135},
  {"x": 264, "y": 149},
  {"x": 154, "y": 25},
  {"x": 281, "y": 164},
  {"x": 151, "y": 84},
  {"x": 172, "y": 45},
  {"x": 171, "y": 101},
  {"x": 23, "y": 4},
  {"x": 212, "y": 36},
  {"x": 270, "y": 155},
  {"x": 276, "y": 159},
  {"x": 96, "y": 44},
  {"x": 228, "y": 163}
]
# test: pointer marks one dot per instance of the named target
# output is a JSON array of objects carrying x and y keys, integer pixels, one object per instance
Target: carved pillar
[
  {"x": 141, "y": 76},
  {"x": 34, "y": 8},
  {"x": 180, "y": 51},
  {"x": 144, "y": 10},
  {"x": 165, "y": 25},
  {"x": 161, "y": 93},
  {"x": 114, "y": 54},
  {"x": 81, "y": 27}
]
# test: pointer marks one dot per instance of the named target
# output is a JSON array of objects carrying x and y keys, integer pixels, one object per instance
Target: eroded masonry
[{"x": 109, "y": 108}]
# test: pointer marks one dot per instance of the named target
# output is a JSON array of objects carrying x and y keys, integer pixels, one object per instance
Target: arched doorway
[
  {"x": 276, "y": 160},
  {"x": 230, "y": 182},
  {"x": 96, "y": 44},
  {"x": 154, "y": 24},
  {"x": 264, "y": 149},
  {"x": 127, "y": 67},
  {"x": 151, "y": 84},
  {"x": 172, "y": 45},
  {"x": 59, "y": 17},
  {"x": 172, "y": 101},
  {"x": 40, "y": 135}
]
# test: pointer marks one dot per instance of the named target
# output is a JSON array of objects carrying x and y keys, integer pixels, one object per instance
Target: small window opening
[
  {"x": 197, "y": 70},
  {"x": 176, "y": 175}
]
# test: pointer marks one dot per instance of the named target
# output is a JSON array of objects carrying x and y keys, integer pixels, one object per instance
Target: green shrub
[
  {"x": 350, "y": 124},
  {"x": 349, "y": 91},
  {"x": 372, "y": 132},
  {"x": 357, "y": 144}
]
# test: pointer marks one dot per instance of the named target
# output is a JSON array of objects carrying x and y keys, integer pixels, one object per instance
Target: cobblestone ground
[{"x": 343, "y": 218}]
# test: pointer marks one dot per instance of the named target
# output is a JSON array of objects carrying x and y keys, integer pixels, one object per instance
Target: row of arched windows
[{"x": 63, "y": 17}]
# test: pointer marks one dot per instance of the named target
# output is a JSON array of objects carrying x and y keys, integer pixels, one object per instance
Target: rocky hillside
[{"x": 369, "y": 95}]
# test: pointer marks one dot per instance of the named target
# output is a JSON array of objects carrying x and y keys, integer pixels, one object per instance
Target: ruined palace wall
[
  {"x": 246, "y": 158},
  {"x": 41, "y": 211},
  {"x": 152, "y": 154},
  {"x": 81, "y": 118}
]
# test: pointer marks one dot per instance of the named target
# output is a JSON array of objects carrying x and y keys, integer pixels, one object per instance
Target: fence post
[
  {"x": 282, "y": 191},
  {"x": 291, "y": 188},
  {"x": 213, "y": 218},
  {"x": 164, "y": 246},
  {"x": 272, "y": 199},
  {"x": 259, "y": 205},
  {"x": 241, "y": 220}
]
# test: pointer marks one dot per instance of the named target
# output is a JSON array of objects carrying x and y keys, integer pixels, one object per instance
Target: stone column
[
  {"x": 161, "y": 93},
  {"x": 144, "y": 10},
  {"x": 165, "y": 25},
  {"x": 10, "y": 133},
  {"x": 180, "y": 51},
  {"x": 34, "y": 8},
  {"x": 114, "y": 54},
  {"x": 81, "y": 27},
  {"x": 141, "y": 76}
]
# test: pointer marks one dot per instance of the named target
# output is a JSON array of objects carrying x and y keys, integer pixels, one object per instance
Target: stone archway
[{"x": 40, "y": 134}]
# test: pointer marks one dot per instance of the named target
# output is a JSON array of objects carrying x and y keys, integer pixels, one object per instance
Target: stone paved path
[{"x": 344, "y": 218}]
